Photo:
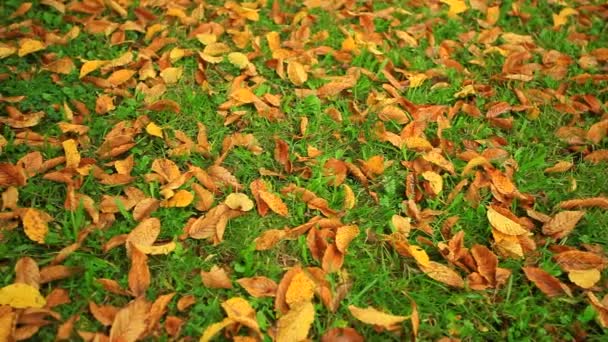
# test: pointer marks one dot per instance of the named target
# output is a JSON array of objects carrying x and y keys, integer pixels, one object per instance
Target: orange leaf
[
  {"x": 296, "y": 73},
  {"x": 131, "y": 321},
  {"x": 28, "y": 45},
  {"x": 139, "y": 274},
  {"x": 344, "y": 236},
  {"x": 585, "y": 278},
  {"x": 274, "y": 202},
  {"x": 35, "y": 224},
  {"x": 301, "y": 289},
  {"x": 259, "y": 286},
  {"x": 181, "y": 199},
  {"x": 216, "y": 278},
  {"x": 504, "y": 224},
  {"x": 72, "y": 157},
  {"x": 579, "y": 261}
]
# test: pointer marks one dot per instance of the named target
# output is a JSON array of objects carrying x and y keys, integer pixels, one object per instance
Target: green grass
[{"x": 380, "y": 276}]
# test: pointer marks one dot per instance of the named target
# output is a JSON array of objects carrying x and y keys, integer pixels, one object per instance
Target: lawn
[{"x": 303, "y": 170}]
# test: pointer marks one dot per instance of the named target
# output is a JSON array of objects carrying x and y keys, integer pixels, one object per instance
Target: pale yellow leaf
[
  {"x": 373, "y": 316},
  {"x": 238, "y": 59}
]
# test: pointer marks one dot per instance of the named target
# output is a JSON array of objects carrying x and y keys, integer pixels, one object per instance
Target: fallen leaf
[
  {"x": 154, "y": 130},
  {"x": 562, "y": 223},
  {"x": 21, "y": 296},
  {"x": 131, "y": 321},
  {"x": 35, "y": 224},
  {"x": 216, "y": 278},
  {"x": 239, "y": 201},
  {"x": 294, "y": 326},
  {"x": 259, "y": 286},
  {"x": 504, "y": 224},
  {"x": 442, "y": 274},
  {"x": 274, "y": 202},
  {"x": 28, "y": 46},
  {"x": 375, "y": 317},
  {"x": 585, "y": 278}
]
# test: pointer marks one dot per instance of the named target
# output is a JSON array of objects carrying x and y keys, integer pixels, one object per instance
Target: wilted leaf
[
  {"x": 504, "y": 224},
  {"x": 579, "y": 261}
]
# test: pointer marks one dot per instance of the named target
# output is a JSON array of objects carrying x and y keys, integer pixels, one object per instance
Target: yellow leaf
[
  {"x": 344, "y": 236},
  {"x": 349, "y": 197},
  {"x": 504, "y": 224},
  {"x": 240, "y": 311},
  {"x": 238, "y": 59},
  {"x": 6, "y": 50},
  {"x": 215, "y": 328},
  {"x": 372, "y": 316},
  {"x": 35, "y": 224},
  {"x": 294, "y": 326},
  {"x": 296, "y": 73},
  {"x": 72, "y": 157},
  {"x": 585, "y": 278},
  {"x": 435, "y": 180},
  {"x": 181, "y": 199},
  {"x": 171, "y": 75},
  {"x": 466, "y": 91},
  {"x": 562, "y": 18},
  {"x": 416, "y": 80},
  {"x": 301, "y": 289},
  {"x": 156, "y": 249},
  {"x": 154, "y": 129},
  {"x": 420, "y": 255},
  {"x": 20, "y": 296},
  {"x": 402, "y": 224},
  {"x": 154, "y": 29},
  {"x": 239, "y": 201},
  {"x": 456, "y": 7},
  {"x": 28, "y": 45},
  {"x": 206, "y": 38}
]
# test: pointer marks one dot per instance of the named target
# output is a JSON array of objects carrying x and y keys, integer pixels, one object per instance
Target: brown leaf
[
  {"x": 145, "y": 233},
  {"x": 344, "y": 236},
  {"x": 256, "y": 186},
  {"x": 342, "y": 335},
  {"x": 592, "y": 202},
  {"x": 27, "y": 272},
  {"x": 296, "y": 73},
  {"x": 259, "y": 286},
  {"x": 64, "y": 331},
  {"x": 562, "y": 223},
  {"x": 579, "y": 261},
  {"x": 504, "y": 224},
  {"x": 545, "y": 282},
  {"x": 130, "y": 322},
  {"x": 333, "y": 259},
  {"x": 57, "y": 272},
  {"x": 144, "y": 208},
  {"x": 104, "y": 314},
  {"x": 216, "y": 278},
  {"x": 157, "y": 310},
  {"x": 139, "y": 274},
  {"x": 173, "y": 325},
  {"x": 112, "y": 286},
  {"x": 486, "y": 262},
  {"x": 600, "y": 308}
]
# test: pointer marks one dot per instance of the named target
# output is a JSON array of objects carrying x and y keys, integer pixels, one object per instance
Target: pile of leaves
[{"x": 119, "y": 157}]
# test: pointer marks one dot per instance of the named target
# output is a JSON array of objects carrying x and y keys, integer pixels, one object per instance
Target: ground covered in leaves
[{"x": 303, "y": 170}]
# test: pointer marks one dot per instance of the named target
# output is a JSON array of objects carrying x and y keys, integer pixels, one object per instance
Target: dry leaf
[
  {"x": 259, "y": 286},
  {"x": 442, "y": 274},
  {"x": 562, "y": 223},
  {"x": 585, "y": 278},
  {"x": 154, "y": 130},
  {"x": 294, "y": 326},
  {"x": 239, "y": 201},
  {"x": 131, "y": 321},
  {"x": 375, "y": 317},
  {"x": 139, "y": 274},
  {"x": 301, "y": 289},
  {"x": 504, "y": 224},
  {"x": 28, "y": 45},
  {"x": 35, "y": 224},
  {"x": 216, "y": 278},
  {"x": 20, "y": 296},
  {"x": 274, "y": 202}
]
